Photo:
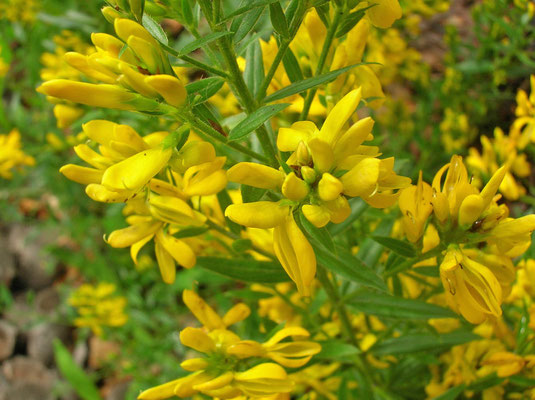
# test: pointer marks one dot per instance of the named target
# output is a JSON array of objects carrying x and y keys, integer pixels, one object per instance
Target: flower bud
[
  {"x": 308, "y": 174},
  {"x": 302, "y": 154},
  {"x": 329, "y": 188}
]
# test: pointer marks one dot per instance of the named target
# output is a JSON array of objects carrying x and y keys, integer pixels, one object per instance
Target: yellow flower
[
  {"x": 383, "y": 13},
  {"x": 523, "y": 128},
  {"x": 98, "y": 307},
  {"x": 415, "y": 205},
  {"x": 471, "y": 288},
  {"x": 225, "y": 372},
  {"x": 11, "y": 154}
]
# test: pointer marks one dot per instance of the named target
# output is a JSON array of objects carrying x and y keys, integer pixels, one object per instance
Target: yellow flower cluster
[
  {"x": 11, "y": 154},
  {"x": 134, "y": 77},
  {"x": 326, "y": 167},
  {"x": 19, "y": 11},
  {"x": 98, "y": 307},
  {"x": 508, "y": 149},
  {"x": 125, "y": 170},
  {"x": 225, "y": 371},
  {"x": 476, "y": 235}
]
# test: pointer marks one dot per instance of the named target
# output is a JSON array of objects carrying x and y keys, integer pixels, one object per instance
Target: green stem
[
  {"x": 245, "y": 97},
  {"x": 323, "y": 57},
  {"x": 334, "y": 296},
  {"x": 206, "y": 130}
]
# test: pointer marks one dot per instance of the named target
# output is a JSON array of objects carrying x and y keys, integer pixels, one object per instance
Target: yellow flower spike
[
  {"x": 506, "y": 363},
  {"x": 384, "y": 13},
  {"x": 353, "y": 138},
  {"x": 197, "y": 339},
  {"x": 194, "y": 364},
  {"x": 263, "y": 380},
  {"x": 331, "y": 130},
  {"x": 295, "y": 254},
  {"x": 513, "y": 236},
  {"x": 289, "y": 138},
  {"x": 260, "y": 214},
  {"x": 361, "y": 180},
  {"x": 100, "y": 131},
  {"x": 205, "y": 179},
  {"x": 470, "y": 209},
  {"x": 184, "y": 388},
  {"x": 126, "y": 28},
  {"x": 308, "y": 174},
  {"x": 236, "y": 314},
  {"x": 287, "y": 332},
  {"x": 202, "y": 311},
  {"x": 82, "y": 175},
  {"x": 104, "y": 195},
  {"x": 125, "y": 237},
  {"x": 492, "y": 186},
  {"x": 216, "y": 383},
  {"x": 136, "y": 81},
  {"x": 256, "y": 175},
  {"x": 322, "y": 154},
  {"x": 440, "y": 206},
  {"x": 147, "y": 53},
  {"x": 165, "y": 391},
  {"x": 329, "y": 187},
  {"x": 66, "y": 115},
  {"x": 247, "y": 349},
  {"x": 317, "y": 215},
  {"x": 294, "y": 188},
  {"x": 194, "y": 153},
  {"x": 169, "y": 87},
  {"x": 136, "y": 247},
  {"x": 103, "y": 95},
  {"x": 91, "y": 157},
  {"x": 135, "y": 172},
  {"x": 179, "y": 250}
]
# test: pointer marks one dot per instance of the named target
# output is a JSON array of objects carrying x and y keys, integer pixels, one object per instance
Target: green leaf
[
  {"x": 336, "y": 350},
  {"x": 254, "y": 67},
  {"x": 415, "y": 342},
  {"x": 350, "y": 267},
  {"x": 305, "y": 84},
  {"x": 187, "y": 12},
  {"x": 242, "y": 245},
  {"x": 191, "y": 231},
  {"x": 278, "y": 20},
  {"x": 75, "y": 375},
  {"x": 201, "y": 42},
  {"x": 250, "y": 6},
  {"x": 320, "y": 235},
  {"x": 245, "y": 269},
  {"x": 224, "y": 201},
  {"x": 293, "y": 70},
  {"x": 251, "y": 194},
  {"x": 452, "y": 393},
  {"x": 255, "y": 120},
  {"x": 522, "y": 381},
  {"x": 351, "y": 20},
  {"x": 404, "y": 249},
  {"x": 247, "y": 23},
  {"x": 384, "y": 305},
  {"x": 154, "y": 29},
  {"x": 205, "y": 88}
]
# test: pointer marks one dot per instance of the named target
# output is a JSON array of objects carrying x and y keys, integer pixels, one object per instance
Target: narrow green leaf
[
  {"x": 80, "y": 382},
  {"x": 224, "y": 201},
  {"x": 336, "y": 350},
  {"x": 201, "y": 42},
  {"x": 486, "y": 382},
  {"x": 255, "y": 120},
  {"x": 249, "y": 21},
  {"x": 305, "y": 84},
  {"x": 154, "y": 29},
  {"x": 350, "y": 267},
  {"x": 245, "y": 270},
  {"x": 241, "y": 245},
  {"x": 250, "y": 6},
  {"x": 254, "y": 67},
  {"x": 187, "y": 12},
  {"x": 205, "y": 88},
  {"x": 351, "y": 20},
  {"x": 415, "y": 342},
  {"x": 384, "y": 305},
  {"x": 251, "y": 194},
  {"x": 319, "y": 235},
  {"x": 278, "y": 20},
  {"x": 404, "y": 249},
  {"x": 452, "y": 393},
  {"x": 522, "y": 381},
  {"x": 293, "y": 70},
  {"x": 191, "y": 231}
]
